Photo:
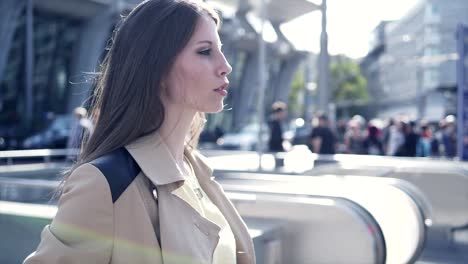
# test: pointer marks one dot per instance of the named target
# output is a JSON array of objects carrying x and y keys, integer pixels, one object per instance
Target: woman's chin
[{"x": 214, "y": 109}]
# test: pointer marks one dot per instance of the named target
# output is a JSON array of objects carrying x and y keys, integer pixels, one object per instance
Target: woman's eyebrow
[
  {"x": 209, "y": 42},
  {"x": 205, "y": 41}
]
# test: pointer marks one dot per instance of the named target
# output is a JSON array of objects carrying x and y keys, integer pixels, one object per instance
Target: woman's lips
[{"x": 222, "y": 90}]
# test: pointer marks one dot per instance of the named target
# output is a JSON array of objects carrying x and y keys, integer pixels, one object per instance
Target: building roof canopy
[
  {"x": 278, "y": 11},
  {"x": 72, "y": 8}
]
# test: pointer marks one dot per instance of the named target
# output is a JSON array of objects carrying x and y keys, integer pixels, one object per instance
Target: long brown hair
[{"x": 126, "y": 103}]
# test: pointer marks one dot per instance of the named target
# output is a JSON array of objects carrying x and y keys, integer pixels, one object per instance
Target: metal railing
[
  {"x": 316, "y": 216},
  {"x": 44, "y": 155}
]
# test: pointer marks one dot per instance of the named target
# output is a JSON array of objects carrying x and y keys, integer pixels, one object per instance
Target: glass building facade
[{"x": 53, "y": 40}]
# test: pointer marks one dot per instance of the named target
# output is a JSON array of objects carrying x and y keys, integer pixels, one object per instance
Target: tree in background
[
  {"x": 347, "y": 81},
  {"x": 349, "y": 86}
]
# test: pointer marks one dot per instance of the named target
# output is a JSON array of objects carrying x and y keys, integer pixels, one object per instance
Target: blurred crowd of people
[{"x": 394, "y": 137}]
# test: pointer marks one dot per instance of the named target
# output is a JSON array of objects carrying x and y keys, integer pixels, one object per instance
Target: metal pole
[
  {"x": 323, "y": 89},
  {"x": 462, "y": 34},
  {"x": 261, "y": 84},
  {"x": 419, "y": 91},
  {"x": 307, "y": 114},
  {"x": 29, "y": 65}
]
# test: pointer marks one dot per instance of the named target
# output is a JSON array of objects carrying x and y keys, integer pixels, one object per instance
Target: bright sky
[{"x": 350, "y": 23}]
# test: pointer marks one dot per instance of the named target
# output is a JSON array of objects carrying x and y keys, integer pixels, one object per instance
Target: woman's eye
[{"x": 205, "y": 52}]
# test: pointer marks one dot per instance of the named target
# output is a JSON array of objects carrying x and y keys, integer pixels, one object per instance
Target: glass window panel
[{"x": 53, "y": 39}]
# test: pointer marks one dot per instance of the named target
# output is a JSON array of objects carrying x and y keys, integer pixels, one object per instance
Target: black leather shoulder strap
[{"x": 119, "y": 168}]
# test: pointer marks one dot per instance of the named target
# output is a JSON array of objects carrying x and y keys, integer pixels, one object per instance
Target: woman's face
[{"x": 198, "y": 80}]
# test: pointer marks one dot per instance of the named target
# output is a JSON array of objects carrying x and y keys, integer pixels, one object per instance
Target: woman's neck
[{"x": 175, "y": 129}]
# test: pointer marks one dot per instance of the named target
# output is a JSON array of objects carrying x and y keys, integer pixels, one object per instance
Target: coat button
[{"x": 199, "y": 227}]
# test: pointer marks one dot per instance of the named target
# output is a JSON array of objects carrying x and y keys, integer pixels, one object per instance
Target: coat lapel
[
  {"x": 156, "y": 162},
  {"x": 155, "y": 159},
  {"x": 204, "y": 173}
]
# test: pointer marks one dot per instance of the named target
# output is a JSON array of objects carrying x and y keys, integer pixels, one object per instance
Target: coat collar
[{"x": 157, "y": 163}]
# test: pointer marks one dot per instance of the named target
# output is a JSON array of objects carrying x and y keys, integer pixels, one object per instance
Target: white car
[{"x": 245, "y": 139}]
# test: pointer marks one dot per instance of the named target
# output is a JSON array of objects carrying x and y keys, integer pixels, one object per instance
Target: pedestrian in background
[
  {"x": 275, "y": 124},
  {"x": 449, "y": 137},
  {"x": 424, "y": 147},
  {"x": 386, "y": 133},
  {"x": 82, "y": 126},
  {"x": 408, "y": 148},
  {"x": 140, "y": 192},
  {"x": 85, "y": 123},
  {"x": 354, "y": 138},
  {"x": 322, "y": 138},
  {"x": 372, "y": 144},
  {"x": 396, "y": 138}
]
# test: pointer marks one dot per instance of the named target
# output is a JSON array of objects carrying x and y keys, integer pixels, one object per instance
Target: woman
[{"x": 140, "y": 193}]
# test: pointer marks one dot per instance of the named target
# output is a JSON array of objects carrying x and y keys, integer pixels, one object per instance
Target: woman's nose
[{"x": 225, "y": 68}]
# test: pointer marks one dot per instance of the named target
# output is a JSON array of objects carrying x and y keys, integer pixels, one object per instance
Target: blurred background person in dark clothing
[
  {"x": 449, "y": 136},
  {"x": 322, "y": 138},
  {"x": 408, "y": 149},
  {"x": 372, "y": 144},
  {"x": 275, "y": 143}
]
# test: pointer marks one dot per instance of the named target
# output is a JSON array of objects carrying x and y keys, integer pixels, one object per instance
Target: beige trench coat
[{"x": 97, "y": 224}]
